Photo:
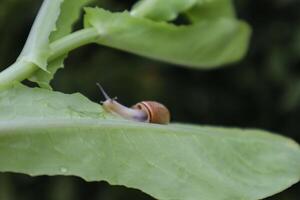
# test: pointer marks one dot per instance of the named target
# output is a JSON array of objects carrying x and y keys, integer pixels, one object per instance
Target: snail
[{"x": 145, "y": 111}]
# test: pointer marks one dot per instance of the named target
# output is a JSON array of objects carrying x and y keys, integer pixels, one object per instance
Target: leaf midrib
[{"x": 7, "y": 126}]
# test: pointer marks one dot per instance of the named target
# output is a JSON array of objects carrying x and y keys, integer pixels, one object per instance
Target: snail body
[{"x": 145, "y": 111}]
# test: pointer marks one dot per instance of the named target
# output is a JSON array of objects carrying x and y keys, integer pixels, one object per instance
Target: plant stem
[
  {"x": 21, "y": 70},
  {"x": 72, "y": 41}
]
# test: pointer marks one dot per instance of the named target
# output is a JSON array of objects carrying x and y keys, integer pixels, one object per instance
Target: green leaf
[
  {"x": 206, "y": 44},
  {"x": 23, "y": 102},
  {"x": 212, "y": 10},
  {"x": 169, "y": 9},
  {"x": 70, "y": 11},
  {"x": 161, "y": 10},
  {"x": 50, "y": 133},
  {"x": 36, "y": 49}
]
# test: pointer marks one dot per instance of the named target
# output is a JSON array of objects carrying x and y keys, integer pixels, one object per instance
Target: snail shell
[
  {"x": 156, "y": 112},
  {"x": 145, "y": 111}
]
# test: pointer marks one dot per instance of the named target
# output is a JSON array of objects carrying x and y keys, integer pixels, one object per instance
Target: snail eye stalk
[{"x": 103, "y": 92}]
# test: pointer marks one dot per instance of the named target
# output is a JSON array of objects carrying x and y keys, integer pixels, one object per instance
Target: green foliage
[
  {"x": 219, "y": 41},
  {"x": 212, "y": 10},
  {"x": 194, "y": 9},
  {"x": 69, "y": 14},
  {"x": 162, "y": 10},
  {"x": 37, "y": 49},
  {"x": 206, "y": 43},
  {"x": 69, "y": 135},
  {"x": 18, "y": 102}
]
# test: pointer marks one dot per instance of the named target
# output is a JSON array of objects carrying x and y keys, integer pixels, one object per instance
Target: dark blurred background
[{"x": 261, "y": 91}]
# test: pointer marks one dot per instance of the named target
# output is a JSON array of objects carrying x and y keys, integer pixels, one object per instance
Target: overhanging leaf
[
  {"x": 212, "y": 10},
  {"x": 70, "y": 11},
  {"x": 206, "y": 44},
  {"x": 196, "y": 9},
  {"x": 36, "y": 49},
  {"x": 161, "y": 10},
  {"x": 44, "y": 132}
]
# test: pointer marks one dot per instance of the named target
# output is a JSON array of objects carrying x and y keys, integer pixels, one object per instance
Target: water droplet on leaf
[{"x": 63, "y": 170}]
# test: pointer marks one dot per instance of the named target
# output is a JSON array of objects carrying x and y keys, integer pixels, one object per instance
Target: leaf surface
[
  {"x": 44, "y": 132},
  {"x": 70, "y": 12},
  {"x": 211, "y": 10},
  {"x": 36, "y": 49},
  {"x": 206, "y": 44},
  {"x": 195, "y": 9},
  {"x": 161, "y": 10}
]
